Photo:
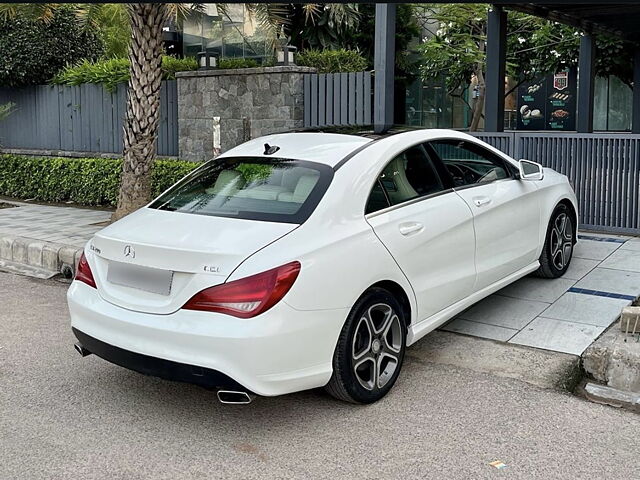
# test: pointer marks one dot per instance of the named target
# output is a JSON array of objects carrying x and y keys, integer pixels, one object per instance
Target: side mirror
[{"x": 531, "y": 171}]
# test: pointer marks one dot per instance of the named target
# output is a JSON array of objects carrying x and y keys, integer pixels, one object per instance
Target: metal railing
[
  {"x": 337, "y": 99},
  {"x": 83, "y": 118},
  {"x": 604, "y": 169}
]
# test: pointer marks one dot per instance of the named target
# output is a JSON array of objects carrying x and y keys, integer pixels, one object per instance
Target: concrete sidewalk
[
  {"x": 42, "y": 240},
  {"x": 565, "y": 314}
]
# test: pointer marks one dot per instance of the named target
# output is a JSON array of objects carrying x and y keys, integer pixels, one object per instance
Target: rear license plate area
[{"x": 148, "y": 279}]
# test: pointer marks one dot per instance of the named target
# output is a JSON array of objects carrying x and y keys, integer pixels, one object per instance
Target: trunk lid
[{"x": 154, "y": 260}]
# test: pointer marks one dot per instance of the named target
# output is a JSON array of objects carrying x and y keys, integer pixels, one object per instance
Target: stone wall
[{"x": 246, "y": 103}]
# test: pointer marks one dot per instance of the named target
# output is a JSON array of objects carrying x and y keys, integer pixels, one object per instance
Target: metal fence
[
  {"x": 604, "y": 170},
  {"x": 337, "y": 99},
  {"x": 83, "y": 118}
]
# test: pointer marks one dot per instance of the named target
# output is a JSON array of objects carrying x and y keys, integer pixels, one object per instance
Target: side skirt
[{"x": 419, "y": 330}]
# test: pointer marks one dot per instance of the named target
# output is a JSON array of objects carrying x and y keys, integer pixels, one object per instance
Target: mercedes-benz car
[{"x": 304, "y": 260}]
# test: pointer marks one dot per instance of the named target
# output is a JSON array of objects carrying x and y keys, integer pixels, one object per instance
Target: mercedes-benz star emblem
[{"x": 129, "y": 251}]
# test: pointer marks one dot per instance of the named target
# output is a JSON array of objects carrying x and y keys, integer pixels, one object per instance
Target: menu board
[{"x": 548, "y": 103}]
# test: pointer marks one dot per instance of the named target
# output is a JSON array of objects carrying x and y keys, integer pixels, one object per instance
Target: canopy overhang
[{"x": 620, "y": 18}]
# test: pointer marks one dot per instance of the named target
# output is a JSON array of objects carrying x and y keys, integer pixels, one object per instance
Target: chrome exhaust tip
[
  {"x": 81, "y": 350},
  {"x": 234, "y": 397}
]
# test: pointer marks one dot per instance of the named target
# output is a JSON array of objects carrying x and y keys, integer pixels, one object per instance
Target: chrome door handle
[
  {"x": 410, "y": 227},
  {"x": 481, "y": 201}
]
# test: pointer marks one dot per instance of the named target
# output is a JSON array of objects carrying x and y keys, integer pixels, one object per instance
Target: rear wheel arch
[{"x": 400, "y": 295}]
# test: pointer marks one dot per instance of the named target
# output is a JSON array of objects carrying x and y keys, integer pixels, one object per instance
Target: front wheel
[
  {"x": 558, "y": 247},
  {"x": 370, "y": 349}
]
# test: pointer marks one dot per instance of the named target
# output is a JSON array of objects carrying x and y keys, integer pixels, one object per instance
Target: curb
[
  {"x": 47, "y": 256},
  {"x": 613, "y": 397},
  {"x": 614, "y": 360}
]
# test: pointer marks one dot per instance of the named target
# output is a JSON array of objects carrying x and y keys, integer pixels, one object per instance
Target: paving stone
[
  {"x": 505, "y": 312},
  {"x": 589, "y": 309},
  {"x": 579, "y": 267},
  {"x": 633, "y": 244},
  {"x": 594, "y": 250},
  {"x": 480, "y": 330},
  {"x": 538, "y": 289},
  {"x": 614, "y": 281},
  {"x": 558, "y": 335},
  {"x": 623, "y": 259}
]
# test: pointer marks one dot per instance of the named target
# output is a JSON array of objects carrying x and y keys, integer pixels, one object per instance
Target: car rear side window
[
  {"x": 408, "y": 176},
  {"x": 276, "y": 190},
  {"x": 470, "y": 164}
]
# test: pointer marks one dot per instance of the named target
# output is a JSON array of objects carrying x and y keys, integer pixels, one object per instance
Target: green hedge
[
  {"x": 113, "y": 71},
  {"x": 86, "y": 181},
  {"x": 233, "y": 63},
  {"x": 332, "y": 61}
]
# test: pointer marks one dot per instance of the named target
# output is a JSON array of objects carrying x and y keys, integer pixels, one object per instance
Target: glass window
[
  {"x": 469, "y": 163},
  {"x": 409, "y": 175},
  {"x": 377, "y": 199},
  {"x": 277, "y": 190}
]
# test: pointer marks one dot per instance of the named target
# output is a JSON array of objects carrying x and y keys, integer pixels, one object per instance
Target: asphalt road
[{"x": 62, "y": 416}]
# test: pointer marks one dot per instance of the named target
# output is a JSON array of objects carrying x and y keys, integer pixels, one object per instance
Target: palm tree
[
  {"x": 145, "y": 54},
  {"x": 143, "y": 105}
]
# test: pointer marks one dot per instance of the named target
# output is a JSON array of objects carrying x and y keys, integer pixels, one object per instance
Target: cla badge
[{"x": 129, "y": 251}]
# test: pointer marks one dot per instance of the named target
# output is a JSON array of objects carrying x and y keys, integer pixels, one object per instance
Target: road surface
[{"x": 62, "y": 416}]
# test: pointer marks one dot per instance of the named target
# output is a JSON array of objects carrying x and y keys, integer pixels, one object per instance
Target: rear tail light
[
  {"x": 247, "y": 297},
  {"x": 83, "y": 272}
]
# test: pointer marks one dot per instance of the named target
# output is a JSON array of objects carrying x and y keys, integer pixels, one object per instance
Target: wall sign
[{"x": 548, "y": 103}]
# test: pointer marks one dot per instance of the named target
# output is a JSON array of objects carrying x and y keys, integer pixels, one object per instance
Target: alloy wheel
[
  {"x": 377, "y": 345},
  {"x": 561, "y": 241}
]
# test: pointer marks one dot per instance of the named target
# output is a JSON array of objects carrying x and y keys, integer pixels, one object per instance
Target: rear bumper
[
  {"x": 157, "y": 367},
  {"x": 281, "y": 351}
]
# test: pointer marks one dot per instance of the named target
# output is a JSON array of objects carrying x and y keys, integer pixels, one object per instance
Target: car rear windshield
[{"x": 274, "y": 190}]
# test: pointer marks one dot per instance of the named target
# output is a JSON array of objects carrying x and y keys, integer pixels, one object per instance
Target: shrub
[
  {"x": 332, "y": 61},
  {"x": 32, "y": 51},
  {"x": 116, "y": 70},
  {"x": 86, "y": 181},
  {"x": 237, "y": 63},
  {"x": 107, "y": 72},
  {"x": 171, "y": 65}
]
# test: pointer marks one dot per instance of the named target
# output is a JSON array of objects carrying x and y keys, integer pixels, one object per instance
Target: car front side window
[
  {"x": 407, "y": 176},
  {"x": 469, "y": 163}
]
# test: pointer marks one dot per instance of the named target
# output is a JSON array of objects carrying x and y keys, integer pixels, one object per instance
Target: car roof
[
  {"x": 330, "y": 148},
  {"x": 327, "y": 148}
]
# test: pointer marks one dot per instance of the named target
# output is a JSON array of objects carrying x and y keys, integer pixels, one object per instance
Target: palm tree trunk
[{"x": 143, "y": 106}]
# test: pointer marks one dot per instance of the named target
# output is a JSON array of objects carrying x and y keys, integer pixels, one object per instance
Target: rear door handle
[
  {"x": 481, "y": 201},
  {"x": 410, "y": 227}
]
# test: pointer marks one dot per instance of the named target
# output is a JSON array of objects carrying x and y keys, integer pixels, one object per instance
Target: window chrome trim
[
  {"x": 409, "y": 202},
  {"x": 475, "y": 185}
]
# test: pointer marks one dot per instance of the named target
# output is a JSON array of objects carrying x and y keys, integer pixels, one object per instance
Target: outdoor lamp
[
  {"x": 285, "y": 55},
  {"x": 207, "y": 60}
]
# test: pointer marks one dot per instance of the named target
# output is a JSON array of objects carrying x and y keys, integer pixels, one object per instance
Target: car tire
[
  {"x": 558, "y": 245},
  {"x": 370, "y": 349}
]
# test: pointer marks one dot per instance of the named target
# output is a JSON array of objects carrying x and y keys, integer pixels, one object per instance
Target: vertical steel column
[
  {"x": 586, "y": 84},
  {"x": 635, "y": 125},
  {"x": 496, "y": 65},
  {"x": 384, "y": 66}
]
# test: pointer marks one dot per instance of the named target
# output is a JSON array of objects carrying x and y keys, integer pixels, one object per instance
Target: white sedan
[{"x": 306, "y": 260}]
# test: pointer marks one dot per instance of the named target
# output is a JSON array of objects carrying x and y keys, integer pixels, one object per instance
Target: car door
[
  {"x": 426, "y": 227},
  {"x": 506, "y": 211}
]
